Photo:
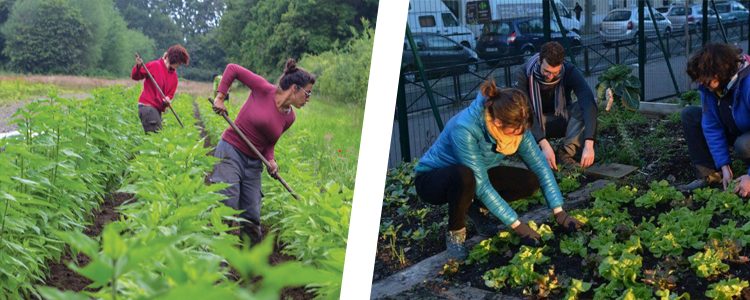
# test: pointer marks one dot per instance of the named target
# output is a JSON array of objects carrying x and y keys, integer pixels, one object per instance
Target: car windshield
[
  {"x": 499, "y": 28},
  {"x": 662, "y": 9},
  {"x": 722, "y": 8},
  {"x": 699, "y": 11},
  {"x": 620, "y": 15}
]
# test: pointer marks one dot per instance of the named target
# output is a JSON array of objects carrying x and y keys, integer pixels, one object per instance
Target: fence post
[
  {"x": 704, "y": 30},
  {"x": 456, "y": 88},
  {"x": 617, "y": 54},
  {"x": 425, "y": 81},
  {"x": 508, "y": 80},
  {"x": 642, "y": 48},
  {"x": 403, "y": 120},
  {"x": 586, "y": 67},
  {"x": 547, "y": 19}
]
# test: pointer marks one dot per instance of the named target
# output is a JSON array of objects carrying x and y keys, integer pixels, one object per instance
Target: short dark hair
[
  {"x": 553, "y": 53},
  {"x": 509, "y": 105},
  {"x": 178, "y": 54},
  {"x": 715, "y": 59},
  {"x": 295, "y": 75}
]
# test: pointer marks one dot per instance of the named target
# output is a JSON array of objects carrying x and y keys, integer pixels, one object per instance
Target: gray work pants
[{"x": 243, "y": 173}]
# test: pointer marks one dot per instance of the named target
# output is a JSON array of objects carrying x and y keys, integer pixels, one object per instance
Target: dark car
[
  {"x": 440, "y": 56},
  {"x": 521, "y": 36}
]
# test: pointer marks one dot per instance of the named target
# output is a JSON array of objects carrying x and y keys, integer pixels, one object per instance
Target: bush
[
  {"x": 46, "y": 36},
  {"x": 343, "y": 72}
]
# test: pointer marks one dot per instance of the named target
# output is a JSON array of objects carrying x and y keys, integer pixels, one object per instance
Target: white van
[
  {"x": 433, "y": 16},
  {"x": 474, "y": 13}
]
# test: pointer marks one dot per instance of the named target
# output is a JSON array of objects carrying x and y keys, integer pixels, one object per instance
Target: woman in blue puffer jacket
[{"x": 465, "y": 162}]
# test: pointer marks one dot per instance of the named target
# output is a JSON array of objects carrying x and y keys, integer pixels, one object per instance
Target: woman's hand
[
  {"x": 273, "y": 168},
  {"x": 726, "y": 176},
  {"x": 219, "y": 107}
]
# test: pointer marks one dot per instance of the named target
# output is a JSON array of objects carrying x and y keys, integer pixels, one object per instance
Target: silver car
[
  {"x": 622, "y": 25},
  {"x": 732, "y": 11},
  {"x": 676, "y": 15}
]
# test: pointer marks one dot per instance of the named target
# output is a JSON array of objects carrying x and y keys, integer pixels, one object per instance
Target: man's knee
[
  {"x": 691, "y": 115},
  {"x": 742, "y": 146}
]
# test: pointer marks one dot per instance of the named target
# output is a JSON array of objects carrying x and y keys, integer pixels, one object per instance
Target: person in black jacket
[{"x": 550, "y": 83}]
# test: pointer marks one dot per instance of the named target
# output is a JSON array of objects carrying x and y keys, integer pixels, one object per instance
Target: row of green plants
[
  {"x": 613, "y": 245},
  {"x": 69, "y": 155},
  {"x": 317, "y": 157},
  {"x": 171, "y": 241}
]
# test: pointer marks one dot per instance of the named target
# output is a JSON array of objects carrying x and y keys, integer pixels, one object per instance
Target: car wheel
[
  {"x": 410, "y": 74},
  {"x": 528, "y": 51},
  {"x": 472, "y": 67}
]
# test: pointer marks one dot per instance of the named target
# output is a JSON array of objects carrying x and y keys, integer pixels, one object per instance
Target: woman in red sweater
[
  {"x": 266, "y": 114},
  {"x": 164, "y": 71}
]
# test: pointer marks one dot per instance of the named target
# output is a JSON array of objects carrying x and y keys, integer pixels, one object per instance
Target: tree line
[{"x": 99, "y": 37}]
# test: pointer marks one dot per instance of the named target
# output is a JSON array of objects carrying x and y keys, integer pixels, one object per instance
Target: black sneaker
[
  {"x": 565, "y": 159},
  {"x": 252, "y": 231}
]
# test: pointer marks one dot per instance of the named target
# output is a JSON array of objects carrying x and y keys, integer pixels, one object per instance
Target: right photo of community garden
[{"x": 569, "y": 149}]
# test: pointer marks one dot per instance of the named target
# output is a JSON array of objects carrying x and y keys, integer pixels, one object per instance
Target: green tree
[
  {"x": 46, "y": 36},
  {"x": 147, "y": 17},
  {"x": 5, "y": 6},
  {"x": 233, "y": 22},
  {"x": 207, "y": 58},
  {"x": 276, "y": 30}
]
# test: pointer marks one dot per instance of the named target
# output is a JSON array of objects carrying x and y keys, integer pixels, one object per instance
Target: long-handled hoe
[
  {"x": 255, "y": 150},
  {"x": 160, "y": 92}
]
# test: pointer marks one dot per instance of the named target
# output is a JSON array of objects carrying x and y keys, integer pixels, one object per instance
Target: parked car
[
  {"x": 431, "y": 16},
  {"x": 732, "y": 11},
  {"x": 676, "y": 15},
  {"x": 622, "y": 25},
  {"x": 520, "y": 36},
  {"x": 439, "y": 55}
]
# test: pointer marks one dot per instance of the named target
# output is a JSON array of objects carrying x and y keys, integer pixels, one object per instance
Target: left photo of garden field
[{"x": 179, "y": 149}]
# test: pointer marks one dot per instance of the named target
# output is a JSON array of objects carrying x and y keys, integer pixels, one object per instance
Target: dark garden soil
[{"x": 62, "y": 277}]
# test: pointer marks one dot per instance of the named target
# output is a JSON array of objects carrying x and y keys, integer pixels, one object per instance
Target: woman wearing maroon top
[
  {"x": 266, "y": 114},
  {"x": 164, "y": 71}
]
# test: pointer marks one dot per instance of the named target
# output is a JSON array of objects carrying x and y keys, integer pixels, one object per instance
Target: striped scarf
[{"x": 536, "y": 79}]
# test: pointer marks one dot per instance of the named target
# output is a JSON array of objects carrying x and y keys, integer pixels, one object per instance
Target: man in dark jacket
[
  {"x": 723, "y": 74},
  {"x": 550, "y": 83}
]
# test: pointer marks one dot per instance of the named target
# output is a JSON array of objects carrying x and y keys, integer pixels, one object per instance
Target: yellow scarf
[{"x": 506, "y": 144}]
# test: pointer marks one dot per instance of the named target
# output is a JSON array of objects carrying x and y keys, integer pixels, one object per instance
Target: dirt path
[{"x": 62, "y": 277}]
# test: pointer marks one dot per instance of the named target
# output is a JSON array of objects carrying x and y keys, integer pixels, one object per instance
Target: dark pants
[
  {"x": 698, "y": 150},
  {"x": 150, "y": 118},
  {"x": 455, "y": 185},
  {"x": 243, "y": 173},
  {"x": 570, "y": 129}
]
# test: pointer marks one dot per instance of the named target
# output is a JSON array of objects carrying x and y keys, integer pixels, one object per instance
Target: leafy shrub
[{"x": 344, "y": 72}]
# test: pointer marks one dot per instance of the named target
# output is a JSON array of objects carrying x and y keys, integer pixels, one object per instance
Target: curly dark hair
[
  {"x": 553, "y": 53},
  {"x": 718, "y": 60},
  {"x": 178, "y": 54},
  {"x": 509, "y": 105}
]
